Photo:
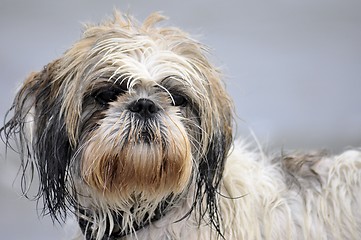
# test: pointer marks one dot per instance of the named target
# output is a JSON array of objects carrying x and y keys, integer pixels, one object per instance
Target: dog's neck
[{"x": 119, "y": 231}]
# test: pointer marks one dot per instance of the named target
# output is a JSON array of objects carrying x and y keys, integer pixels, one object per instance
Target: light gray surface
[{"x": 292, "y": 67}]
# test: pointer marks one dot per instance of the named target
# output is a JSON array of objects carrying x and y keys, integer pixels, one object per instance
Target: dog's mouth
[
  {"x": 146, "y": 136},
  {"x": 147, "y": 132}
]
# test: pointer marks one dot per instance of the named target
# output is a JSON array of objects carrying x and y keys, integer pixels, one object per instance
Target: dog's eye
[
  {"x": 104, "y": 96},
  {"x": 178, "y": 100}
]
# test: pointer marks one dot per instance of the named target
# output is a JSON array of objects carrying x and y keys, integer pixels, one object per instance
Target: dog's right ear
[{"x": 40, "y": 134}]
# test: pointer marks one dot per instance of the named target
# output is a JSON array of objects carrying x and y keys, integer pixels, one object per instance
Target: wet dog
[{"x": 131, "y": 132}]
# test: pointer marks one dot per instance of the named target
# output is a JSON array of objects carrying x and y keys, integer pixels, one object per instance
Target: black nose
[{"x": 144, "y": 107}]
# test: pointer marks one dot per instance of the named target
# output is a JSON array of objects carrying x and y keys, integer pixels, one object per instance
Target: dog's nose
[{"x": 144, "y": 107}]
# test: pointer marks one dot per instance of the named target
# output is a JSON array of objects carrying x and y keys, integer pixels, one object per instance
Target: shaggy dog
[{"x": 130, "y": 131}]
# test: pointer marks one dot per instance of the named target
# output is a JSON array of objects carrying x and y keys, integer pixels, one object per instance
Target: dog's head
[{"x": 131, "y": 112}]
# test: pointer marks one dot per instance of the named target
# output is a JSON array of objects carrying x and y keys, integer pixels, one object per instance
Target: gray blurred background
[{"x": 293, "y": 68}]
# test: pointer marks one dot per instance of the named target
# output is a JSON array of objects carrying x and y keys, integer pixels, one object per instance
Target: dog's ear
[
  {"x": 218, "y": 122},
  {"x": 39, "y": 130}
]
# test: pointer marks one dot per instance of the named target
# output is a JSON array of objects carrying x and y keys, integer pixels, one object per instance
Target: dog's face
[{"x": 130, "y": 111}]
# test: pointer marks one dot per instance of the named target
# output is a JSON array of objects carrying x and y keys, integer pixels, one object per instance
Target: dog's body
[
  {"x": 131, "y": 131},
  {"x": 293, "y": 197}
]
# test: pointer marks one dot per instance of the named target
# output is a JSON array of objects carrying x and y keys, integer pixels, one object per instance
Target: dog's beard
[{"x": 127, "y": 156}]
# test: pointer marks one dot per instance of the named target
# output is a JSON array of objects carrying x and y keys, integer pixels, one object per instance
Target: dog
[{"x": 131, "y": 132}]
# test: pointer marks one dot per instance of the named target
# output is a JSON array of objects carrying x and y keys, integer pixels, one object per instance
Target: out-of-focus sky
[{"x": 292, "y": 67}]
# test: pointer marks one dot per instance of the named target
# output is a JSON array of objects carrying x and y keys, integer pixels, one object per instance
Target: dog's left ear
[
  {"x": 39, "y": 129},
  {"x": 218, "y": 122}
]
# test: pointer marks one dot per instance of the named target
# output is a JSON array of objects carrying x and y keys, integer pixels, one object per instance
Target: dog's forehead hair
[
  {"x": 146, "y": 58},
  {"x": 144, "y": 62},
  {"x": 143, "y": 50}
]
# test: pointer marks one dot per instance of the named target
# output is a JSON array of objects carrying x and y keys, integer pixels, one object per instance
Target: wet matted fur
[{"x": 130, "y": 131}]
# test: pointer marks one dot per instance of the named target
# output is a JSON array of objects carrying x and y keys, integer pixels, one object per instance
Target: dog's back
[{"x": 294, "y": 197}]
